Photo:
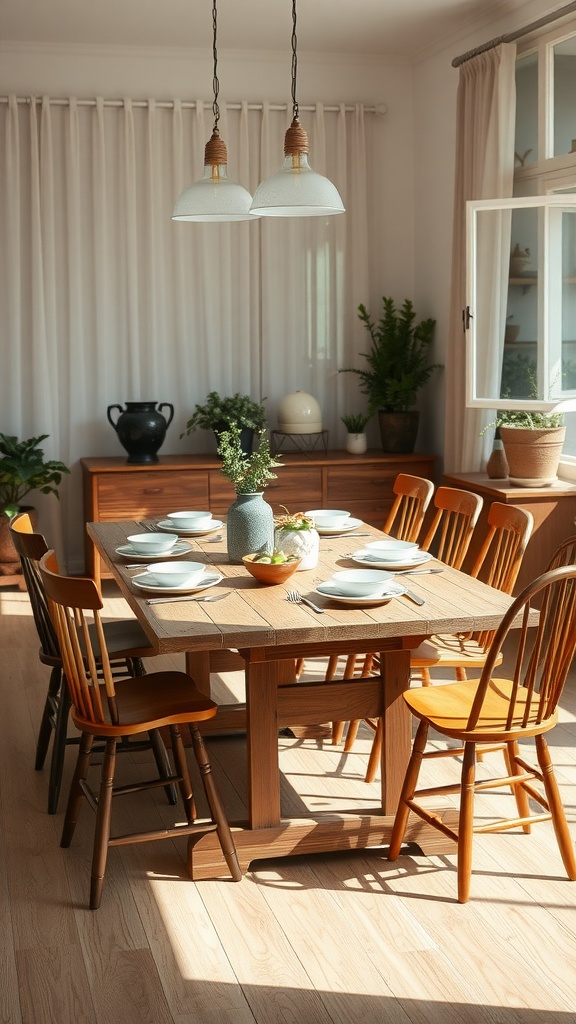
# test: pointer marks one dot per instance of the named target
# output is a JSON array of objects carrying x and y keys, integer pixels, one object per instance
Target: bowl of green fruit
[{"x": 274, "y": 567}]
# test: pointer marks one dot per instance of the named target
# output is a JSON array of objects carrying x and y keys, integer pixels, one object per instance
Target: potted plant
[
  {"x": 398, "y": 366},
  {"x": 295, "y": 534},
  {"x": 220, "y": 413},
  {"x": 23, "y": 468},
  {"x": 533, "y": 444},
  {"x": 250, "y": 523},
  {"x": 355, "y": 424}
]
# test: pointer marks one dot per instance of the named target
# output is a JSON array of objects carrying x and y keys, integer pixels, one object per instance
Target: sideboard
[
  {"x": 115, "y": 490},
  {"x": 553, "y": 508}
]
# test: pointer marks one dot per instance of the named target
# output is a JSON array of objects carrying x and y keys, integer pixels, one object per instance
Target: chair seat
[
  {"x": 150, "y": 702},
  {"x": 447, "y": 708},
  {"x": 449, "y": 652}
]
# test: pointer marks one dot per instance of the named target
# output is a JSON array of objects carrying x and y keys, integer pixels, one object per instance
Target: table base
[{"x": 327, "y": 833}]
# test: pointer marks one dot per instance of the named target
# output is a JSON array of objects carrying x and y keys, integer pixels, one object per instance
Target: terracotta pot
[
  {"x": 398, "y": 430},
  {"x": 532, "y": 455}
]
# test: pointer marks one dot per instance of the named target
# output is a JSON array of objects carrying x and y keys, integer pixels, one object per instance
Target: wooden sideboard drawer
[
  {"x": 297, "y": 488},
  {"x": 114, "y": 489},
  {"x": 131, "y": 496}
]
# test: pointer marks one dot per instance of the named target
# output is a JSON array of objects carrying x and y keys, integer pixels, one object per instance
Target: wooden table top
[{"x": 255, "y": 615}]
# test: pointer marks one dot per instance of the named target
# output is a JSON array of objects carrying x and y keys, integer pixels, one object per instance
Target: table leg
[
  {"x": 262, "y": 681},
  {"x": 396, "y": 726}
]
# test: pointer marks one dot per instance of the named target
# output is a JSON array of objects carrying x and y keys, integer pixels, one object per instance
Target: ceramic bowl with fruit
[{"x": 271, "y": 568}]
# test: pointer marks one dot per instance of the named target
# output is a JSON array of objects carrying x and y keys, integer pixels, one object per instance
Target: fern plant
[{"x": 398, "y": 359}]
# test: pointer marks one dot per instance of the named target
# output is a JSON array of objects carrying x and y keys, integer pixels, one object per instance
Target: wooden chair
[
  {"x": 502, "y": 711},
  {"x": 449, "y": 535},
  {"x": 413, "y": 496},
  {"x": 115, "y": 708},
  {"x": 127, "y": 644},
  {"x": 498, "y": 564}
]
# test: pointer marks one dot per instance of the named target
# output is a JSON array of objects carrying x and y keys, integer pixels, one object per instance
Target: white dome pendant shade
[
  {"x": 214, "y": 197},
  {"x": 296, "y": 190}
]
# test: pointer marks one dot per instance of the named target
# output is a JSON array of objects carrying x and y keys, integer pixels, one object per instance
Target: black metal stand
[{"x": 308, "y": 444}]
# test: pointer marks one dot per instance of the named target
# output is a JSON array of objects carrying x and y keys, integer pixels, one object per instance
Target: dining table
[{"x": 256, "y": 627}]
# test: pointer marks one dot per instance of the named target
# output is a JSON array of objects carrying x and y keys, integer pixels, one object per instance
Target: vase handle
[
  {"x": 110, "y": 420},
  {"x": 167, "y": 405}
]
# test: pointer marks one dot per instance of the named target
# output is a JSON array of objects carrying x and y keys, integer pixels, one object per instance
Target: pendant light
[
  {"x": 214, "y": 197},
  {"x": 296, "y": 190}
]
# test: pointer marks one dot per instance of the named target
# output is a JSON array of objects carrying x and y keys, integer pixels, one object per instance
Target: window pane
[
  {"x": 565, "y": 97},
  {"x": 520, "y": 356},
  {"x": 526, "y": 135}
]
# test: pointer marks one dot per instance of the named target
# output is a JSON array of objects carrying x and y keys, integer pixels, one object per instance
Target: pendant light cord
[
  {"x": 215, "y": 82},
  {"x": 295, "y": 111}
]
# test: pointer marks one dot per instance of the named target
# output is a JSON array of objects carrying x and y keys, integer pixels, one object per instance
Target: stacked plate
[
  {"x": 391, "y": 554},
  {"x": 363, "y": 587}
]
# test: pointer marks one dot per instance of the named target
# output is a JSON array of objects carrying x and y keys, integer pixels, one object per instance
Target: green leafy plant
[
  {"x": 527, "y": 419},
  {"x": 248, "y": 473},
  {"x": 398, "y": 362},
  {"x": 355, "y": 422},
  {"x": 296, "y": 521},
  {"x": 24, "y": 468},
  {"x": 218, "y": 413}
]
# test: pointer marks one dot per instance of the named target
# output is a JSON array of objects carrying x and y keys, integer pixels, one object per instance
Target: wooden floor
[{"x": 337, "y": 939}]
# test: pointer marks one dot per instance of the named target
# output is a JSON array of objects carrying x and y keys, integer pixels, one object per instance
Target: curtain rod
[
  {"x": 379, "y": 108},
  {"x": 510, "y": 37}
]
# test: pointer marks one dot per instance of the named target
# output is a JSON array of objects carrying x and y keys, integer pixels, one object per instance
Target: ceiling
[{"x": 392, "y": 27}]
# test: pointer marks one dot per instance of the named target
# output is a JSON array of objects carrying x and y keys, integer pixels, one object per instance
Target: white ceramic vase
[
  {"x": 305, "y": 544},
  {"x": 356, "y": 444}
]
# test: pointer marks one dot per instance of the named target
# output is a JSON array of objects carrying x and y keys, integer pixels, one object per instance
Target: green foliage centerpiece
[{"x": 250, "y": 523}]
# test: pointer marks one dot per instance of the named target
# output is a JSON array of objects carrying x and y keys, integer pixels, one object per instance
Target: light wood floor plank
[{"x": 339, "y": 939}]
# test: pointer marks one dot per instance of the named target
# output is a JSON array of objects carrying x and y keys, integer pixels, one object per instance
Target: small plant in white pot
[
  {"x": 355, "y": 424},
  {"x": 294, "y": 534}
]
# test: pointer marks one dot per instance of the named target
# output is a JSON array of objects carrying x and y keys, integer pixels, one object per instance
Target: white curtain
[
  {"x": 484, "y": 170},
  {"x": 105, "y": 299}
]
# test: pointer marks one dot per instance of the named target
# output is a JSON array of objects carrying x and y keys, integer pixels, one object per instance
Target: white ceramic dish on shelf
[
  {"x": 520, "y": 481},
  {"x": 391, "y": 590},
  {"x": 209, "y": 580},
  {"x": 166, "y": 524},
  {"x": 127, "y": 551}
]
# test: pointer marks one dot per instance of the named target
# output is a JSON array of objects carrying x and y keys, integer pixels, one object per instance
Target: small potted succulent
[
  {"x": 220, "y": 413},
  {"x": 355, "y": 423},
  {"x": 294, "y": 534},
  {"x": 250, "y": 522}
]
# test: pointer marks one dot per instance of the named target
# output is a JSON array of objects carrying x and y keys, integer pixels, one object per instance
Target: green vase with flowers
[{"x": 250, "y": 521}]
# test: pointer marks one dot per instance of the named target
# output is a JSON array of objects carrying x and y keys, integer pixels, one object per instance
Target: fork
[{"x": 295, "y": 597}]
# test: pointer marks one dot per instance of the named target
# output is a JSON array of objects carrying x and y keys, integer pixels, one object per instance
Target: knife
[
  {"x": 414, "y": 597},
  {"x": 186, "y": 597}
]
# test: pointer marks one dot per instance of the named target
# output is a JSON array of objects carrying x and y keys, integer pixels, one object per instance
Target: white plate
[
  {"x": 165, "y": 524},
  {"x": 209, "y": 580},
  {"x": 418, "y": 558},
  {"x": 392, "y": 589},
  {"x": 520, "y": 481},
  {"x": 127, "y": 551},
  {"x": 351, "y": 524}
]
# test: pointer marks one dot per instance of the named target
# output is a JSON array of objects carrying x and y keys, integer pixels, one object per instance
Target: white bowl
[
  {"x": 190, "y": 520},
  {"x": 392, "y": 550},
  {"x": 152, "y": 543},
  {"x": 176, "y": 574},
  {"x": 329, "y": 518},
  {"x": 359, "y": 582}
]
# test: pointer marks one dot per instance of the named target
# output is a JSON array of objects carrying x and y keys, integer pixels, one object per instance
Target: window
[{"x": 521, "y": 288}]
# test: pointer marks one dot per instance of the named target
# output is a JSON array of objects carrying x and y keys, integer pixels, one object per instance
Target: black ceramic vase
[{"x": 141, "y": 428}]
